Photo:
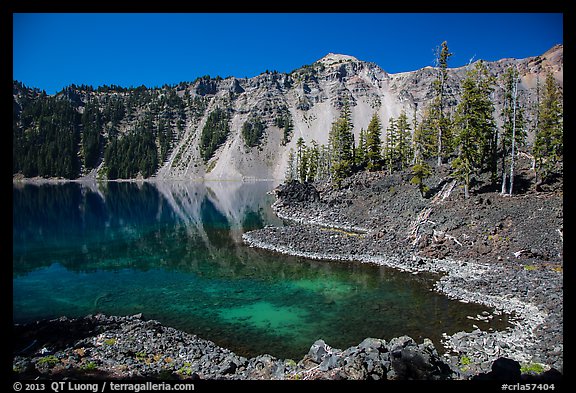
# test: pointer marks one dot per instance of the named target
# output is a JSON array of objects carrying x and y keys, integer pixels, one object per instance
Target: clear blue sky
[{"x": 52, "y": 51}]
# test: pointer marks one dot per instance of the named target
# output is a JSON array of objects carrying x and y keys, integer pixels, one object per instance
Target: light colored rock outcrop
[{"x": 314, "y": 96}]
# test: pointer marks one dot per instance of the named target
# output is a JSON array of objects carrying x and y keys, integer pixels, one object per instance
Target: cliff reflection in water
[{"x": 119, "y": 225}]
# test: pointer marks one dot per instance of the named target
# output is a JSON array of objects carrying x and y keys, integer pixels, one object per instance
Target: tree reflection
[{"x": 120, "y": 225}]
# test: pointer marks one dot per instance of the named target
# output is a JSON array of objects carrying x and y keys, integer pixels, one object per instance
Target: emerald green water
[{"x": 173, "y": 252}]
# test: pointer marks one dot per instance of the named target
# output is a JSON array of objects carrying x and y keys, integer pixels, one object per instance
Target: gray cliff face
[{"x": 312, "y": 96}]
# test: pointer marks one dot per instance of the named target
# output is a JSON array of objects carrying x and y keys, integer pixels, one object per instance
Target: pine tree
[
  {"x": 214, "y": 133},
  {"x": 361, "y": 156},
  {"x": 324, "y": 163},
  {"x": 91, "y": 137},
  {"x": 288, "y": 126},
  {"x": 374, "y": 144},
  {"x": 346, "y": 135},
  {"x": 424, "y": 138},
  {"x": 341, "y": 145},
  {"x": 346, "y": 112},
  {"x": 548, "y": 144},
  {"x": 390, "y": 151},
  {"x": 421, "y": 171},
  {"x": 341, "y": 151},
  {"x": 489, "y": 132},
  {"x": 403, "y": 136},
  {"x": 513, "y": 133},
  {"x": 475, "y": 122},
  {"x": 301, "y": 160},
  {"x": 312, "y": 154},
  {"x": 291, "y": 168},
  {"x": 441, "y": 122},
  {"x": 164, "y": 138},
  {"x": 415, "y": 152},
  {"x": 252, "y": 131}
]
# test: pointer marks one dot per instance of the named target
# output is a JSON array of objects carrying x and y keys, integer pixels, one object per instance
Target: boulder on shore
[{"x": 296, "y": 192}]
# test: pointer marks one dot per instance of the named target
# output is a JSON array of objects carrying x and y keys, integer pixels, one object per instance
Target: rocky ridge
[{"x": 312, "y": 96}]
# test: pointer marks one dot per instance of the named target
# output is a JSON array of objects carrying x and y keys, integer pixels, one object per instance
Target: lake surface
[{"x": 173, "y": 251}]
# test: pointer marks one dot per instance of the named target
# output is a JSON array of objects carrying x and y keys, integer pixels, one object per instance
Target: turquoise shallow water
[{"x": 173, "y": 252}]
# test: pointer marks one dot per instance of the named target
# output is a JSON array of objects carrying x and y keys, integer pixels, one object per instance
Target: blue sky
[{"x": 51, "y": 51}]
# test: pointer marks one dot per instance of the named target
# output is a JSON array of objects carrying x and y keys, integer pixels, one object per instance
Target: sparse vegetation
[
  {"x": 49, "y": 360},
  {"x": 186, "y": 369},
  {"x": 252, "y": 131},
  {"x": 89, "y": 366},
  {"x": 214, "y": 133},
  {"x": 532, "y": 368},
  {"x": 465, "y": 363}
]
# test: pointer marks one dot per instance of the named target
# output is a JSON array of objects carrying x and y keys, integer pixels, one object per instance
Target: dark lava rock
[
  {"x": 551, "y": 375},
  {"x": 416, "y": 362},
  {"x": 114, "y": 347},
  {"x": 374, "y": 359},
  {"x": 503, "y": 369},
  {"x": 318, "y": 351},
  {"x": 295, "y": 191}
]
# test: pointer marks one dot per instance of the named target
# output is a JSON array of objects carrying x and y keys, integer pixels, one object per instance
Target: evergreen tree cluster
[
  {"x": 549, "y": 146},
  {"x": 124, "y": 132},
  {"x": 252, "y": 131},
  {"x": 284, "y": 122},
  {"x": 398, "y": 149},
  {"x": 475, "y": 125},
  {"x": 513, "y": 134},
  {"x": 469, "y": 139},
  {"x": 214, "y": 133},
  {"x": 165, "y": 135},
  {"x": 46, "y": 136},
  {"x": 134, "y": 154},
  {"x": 91, "y": 135}
]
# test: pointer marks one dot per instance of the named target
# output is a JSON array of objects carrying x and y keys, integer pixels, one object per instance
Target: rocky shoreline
[
  {"x": 468, "y": 282},
  {"x": 112, "y": 347},
  {"x": 527, "y": 285},
  {"x": 131, "y": 348}
]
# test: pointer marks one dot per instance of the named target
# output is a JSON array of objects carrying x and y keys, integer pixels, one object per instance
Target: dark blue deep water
[{"x": 173, "y": 251}]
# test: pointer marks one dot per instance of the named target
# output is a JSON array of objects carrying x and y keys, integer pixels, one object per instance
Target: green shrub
[
  {"x": 50, "y": 360},
  {"x": 186, "y": 369},
  {"x": 465, "y": 362},
  {"x": 532, "y": 368},
  {"x": 90, "y": 366}
]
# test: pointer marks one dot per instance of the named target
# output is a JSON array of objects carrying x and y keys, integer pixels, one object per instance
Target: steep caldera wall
[{"x": 303, "y": 103}]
